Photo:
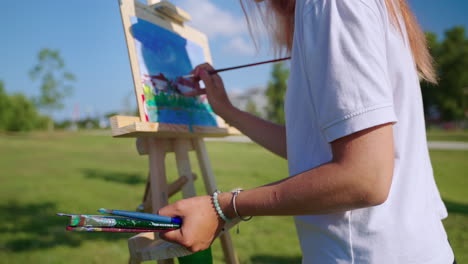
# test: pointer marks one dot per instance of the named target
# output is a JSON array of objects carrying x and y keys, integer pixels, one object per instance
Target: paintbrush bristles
[
  {"x": 105, "y": 211},
  {"x": 188, "y": 76}
]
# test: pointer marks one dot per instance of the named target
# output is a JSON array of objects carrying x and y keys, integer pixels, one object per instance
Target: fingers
[
  {"x": 205, "y": 67},
  {"x": 195, "y": 93},
  {"x": 206, "y": 78},
  {"x": 177, "y": 237},
  {"x": 174, "y": 236},
  {"x": 170, "y": 210},
  {"x": 196, "y": 83},
  {"x": 200, "y": 223},
  {"x": 215, "y": 91},
  {"x": 198, "y": 72},
  {"x": 198, "y": 69}
]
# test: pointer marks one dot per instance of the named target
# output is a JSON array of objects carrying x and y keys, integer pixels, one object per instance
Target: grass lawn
[
  {"x": 443, "y": 135},
  {"x": 42, "y": 174}
]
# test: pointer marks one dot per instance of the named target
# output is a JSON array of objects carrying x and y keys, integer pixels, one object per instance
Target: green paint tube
[{"x": 118, "y": 222}]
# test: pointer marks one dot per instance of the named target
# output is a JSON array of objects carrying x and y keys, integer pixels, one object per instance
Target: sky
[{"x": 90, "y": 38}]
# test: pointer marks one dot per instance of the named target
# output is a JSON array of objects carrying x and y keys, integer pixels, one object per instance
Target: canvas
[{"x": 163, "y": 57}]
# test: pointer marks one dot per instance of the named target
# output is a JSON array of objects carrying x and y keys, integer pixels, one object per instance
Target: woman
[{"x": 361, "y": 186}]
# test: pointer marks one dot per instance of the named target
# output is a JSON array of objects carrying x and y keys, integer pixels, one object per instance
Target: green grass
[
  {"x": 450, "y": 170},
  {"x": 444, "y": 135},
  {"x": 42, "y": 174}
]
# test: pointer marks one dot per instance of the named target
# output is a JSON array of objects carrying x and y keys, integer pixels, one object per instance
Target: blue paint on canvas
[{"x": 163, "y": 57}]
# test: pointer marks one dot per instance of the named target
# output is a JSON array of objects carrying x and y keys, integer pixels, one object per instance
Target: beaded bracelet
[
  {"x": 218, "y": 208},
  {"x": 235, "y": 193}
]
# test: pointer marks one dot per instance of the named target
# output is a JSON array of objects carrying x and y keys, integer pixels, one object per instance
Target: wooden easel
[
  {"x": 158, "y": 139},
  {"x": 156, "y": 143}
]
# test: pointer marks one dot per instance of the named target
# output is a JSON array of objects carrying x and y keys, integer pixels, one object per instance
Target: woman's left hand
[{"x": 200, "y": 223}]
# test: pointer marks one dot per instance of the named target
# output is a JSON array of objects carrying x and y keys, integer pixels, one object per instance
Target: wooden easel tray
[{"x": 129, "y": 126}]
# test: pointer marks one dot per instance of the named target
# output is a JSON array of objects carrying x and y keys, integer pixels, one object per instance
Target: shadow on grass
[
  {"x": 456, "y": 207},
  {"x": 112, "y": 176},
  {"x": 36, "y": 226},
  {"x": 264, "y": 259}
]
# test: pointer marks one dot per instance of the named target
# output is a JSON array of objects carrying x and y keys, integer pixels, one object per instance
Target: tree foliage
[
  {"x": 18, "y": 113},
  {"x": 252, "y": 108},
  {"x": 55, "y": 81},
  {"x": 275, "y": 93},
  {"x": 449, "y": 97},
  {"x": 4, "y": 108},
  {"x": 24, "y": 114}
]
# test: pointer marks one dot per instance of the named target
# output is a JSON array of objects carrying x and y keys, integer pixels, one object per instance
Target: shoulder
[
  {"x": 353, "y": 16},
  {"x": 323, "y": 6}
]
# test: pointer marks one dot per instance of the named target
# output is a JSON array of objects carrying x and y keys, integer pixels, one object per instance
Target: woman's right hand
[
  {"x": 215, "y": 91},
  {"x": 265, "y": 133}
]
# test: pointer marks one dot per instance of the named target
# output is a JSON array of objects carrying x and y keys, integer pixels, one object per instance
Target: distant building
[{"x": 240, "y": 99}]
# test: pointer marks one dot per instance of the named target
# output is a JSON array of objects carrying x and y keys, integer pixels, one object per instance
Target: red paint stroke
[
  {"x": 144, "y": 106},
  {"x": 185, "y": 86},
  {"x": 158, "y": 77}
]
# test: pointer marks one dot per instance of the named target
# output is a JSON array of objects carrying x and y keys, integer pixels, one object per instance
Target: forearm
[
  {"x": 359, "y": 175},
  {"x": 330, "y": 188},
  {"x": 267, "y": 134}
]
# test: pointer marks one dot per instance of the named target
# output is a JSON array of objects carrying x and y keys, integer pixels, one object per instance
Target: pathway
[{"x": 439, "y": 145}]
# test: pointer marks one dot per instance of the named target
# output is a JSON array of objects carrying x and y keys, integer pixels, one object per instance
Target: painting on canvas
[{"x": 163, "y": 57}]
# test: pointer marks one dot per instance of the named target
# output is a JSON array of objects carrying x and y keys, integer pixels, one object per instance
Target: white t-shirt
[{"x": 351, "y": 69}]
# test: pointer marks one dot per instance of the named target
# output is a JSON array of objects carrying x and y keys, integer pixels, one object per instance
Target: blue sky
[{"x": 89, "y": 35}]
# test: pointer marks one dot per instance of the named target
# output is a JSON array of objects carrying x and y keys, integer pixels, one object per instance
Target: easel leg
[
  {"x": 181, "y": 149},
  {"x": 158, "y": 181},
  {"x": 210, "y": 186},
  {"x": 147, "y": 206}
]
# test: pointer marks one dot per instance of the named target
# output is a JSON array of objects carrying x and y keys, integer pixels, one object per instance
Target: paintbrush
[
  {"x": 238, "y": 67},
  {"x": 143, "y": 216}
]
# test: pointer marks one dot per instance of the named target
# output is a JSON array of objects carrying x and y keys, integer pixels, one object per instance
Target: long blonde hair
[{"x": 278, "y": 17}]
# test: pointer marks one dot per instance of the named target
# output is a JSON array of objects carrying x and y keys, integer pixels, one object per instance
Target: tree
[
  {"x": 275, "y": 93},
  {"x": 453, "y": 65},
  {"x": 5, "y": 113},
  {"x": 429, "y": 90},
  {"x": 18, "y": 113},
  {"x": 56, "y": 82},
  {"x": 23, "y": 114},
  {"x": 451, "y": 59},
  {"x": 252, "y": 108}
]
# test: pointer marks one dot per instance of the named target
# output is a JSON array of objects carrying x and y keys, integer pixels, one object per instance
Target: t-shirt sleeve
[{"x": 346, "y": 66}]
